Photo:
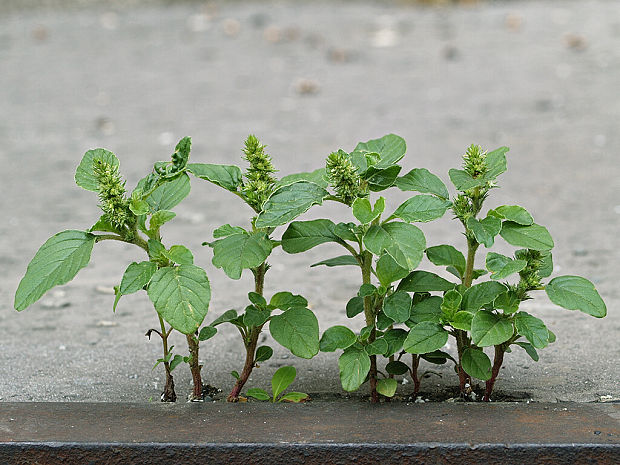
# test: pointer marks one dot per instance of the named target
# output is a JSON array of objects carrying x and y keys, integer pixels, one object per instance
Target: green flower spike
[
  {"x": 343, "y": 177},
  {"x": 259, "y": 183},
  {"x": 114, "y": 204}
]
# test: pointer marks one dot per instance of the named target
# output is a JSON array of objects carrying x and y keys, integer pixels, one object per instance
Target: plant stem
[
  {"x": 168, "y": 395},
  {"x": 252, "y": 339},
  {"x": 250, "y": 351},
  {"x": 462, "y": 340},
  {"x": 497, "y": 364},
  {"x": 370, "y": 321},
  {"x": 415, "y": 363},
  {"x": 195, "y": 366}
]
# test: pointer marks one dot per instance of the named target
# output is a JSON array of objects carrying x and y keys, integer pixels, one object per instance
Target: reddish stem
[
  {"x": 195, "y": 366},
  {"x": 497, "y": 365},
  {"x": 415, "y": 363},
  {"x": 250, "y": 351}
]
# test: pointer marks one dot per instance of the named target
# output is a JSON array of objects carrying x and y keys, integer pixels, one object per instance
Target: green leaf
[
  {"x": 428, "y": 309},
  {"x": 226, "y": 317},
  {"x": 425, "y": 337},
  {"x": 342, "y": 260},
  {"x": 85, "y": 172},
  {"x": 404, "y": 242},
  {"x": 396, "y": 368},
  {"x": 170, "y": 194},
  {"x": 422, "y": 180},
  {"x": 288, "y": 202},
  {"x": 485, "y": 230},
  {"x": 296, "y": 329},
  {"x": 137, "y": 275},
  {"x": 263, "y": 353},
  {"x": 534, "y": 237},
  {"x": 576, "y": 293},
  {"x": 451, "y": 304},
  {"x": 227, "y": 176},
  {"x": 388, "y": 271},
  {"x": 346, "y": 231},
  {"x": 502, "y": 266},
  {"x": 207, "y": 333},
  {"x": 55, "y": 263},
  {"x": 463, "y": 181},
  {"x": 437, "y": 357},
  {"x": 397, "y": 306},
  {"x": 176, "y": 361},
  {"x": 391, "y": 148},
  {"x": 364, "y": 212},
  {"x": 103, "y": 225},
  {"x": 354, "y": 365},
  {"x": 159, "y": 218},
  {"x": 294, "y": 397},
  {"x": 180, "y": 254},
  {"x": 490, "y": 329},
  {"x": 282, "y": 379},
  {"x": 496, "y": 163},
  {"x": 157, "y": 251},
  {"x": 446, "y": 255},
  {"x": 318, "y": 177},
  {"x": 529, "y": 348},
  {"x": 546, "y": 268},
  {"x": 255, "y": 317},
  {"x": 513, "y": 213},
  {"x": 533, "y": 329},
  {"x": 481, "y": 294},
  {"x": 234, "y": 374},
  {"x": 508, "y": 302},
  {"x": 241, "y": 251},
  {"x": 304, "y": 235},
  {"x": 139, "y": 207},
  {"x": 424, "y": 281},
  {"x": 387, "y": 387},
  {"x": 366, "y": 290},
  {"x": 377, "y": 347},
  {"x": 462, "y": 320},
  {"x": 337, "y": 337},
  {"x": 227, "y": 230},
  {"x": 422, "y": 208},
  {"x": 257, "y": 299},
  {"x": 395, "y": 339},
  {"x": 476, "y": 364},
  {"x": 258, "y": 394},
  {"x": 285, "y": 300},
  {"x": 355, "y": 306},
  {"x": 181, "y": 296},
  {"x": 381, "y": 179}
]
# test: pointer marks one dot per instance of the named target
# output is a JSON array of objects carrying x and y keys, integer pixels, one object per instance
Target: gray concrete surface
[{"x": 307, "y": 78}]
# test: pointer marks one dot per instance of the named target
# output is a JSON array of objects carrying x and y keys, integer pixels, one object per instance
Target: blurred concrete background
[{"x": 541, "y": 77}]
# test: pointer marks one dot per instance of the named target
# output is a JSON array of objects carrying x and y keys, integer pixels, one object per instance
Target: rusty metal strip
[{"x": 320, "y": 432}]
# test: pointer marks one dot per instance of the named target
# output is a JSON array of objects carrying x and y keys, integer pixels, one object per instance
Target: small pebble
[
  {"x": 575, "y": 42},
  {"x": 106, "y": 324},
  {"x": 306, "y": 86},
  {"x": 272, "y": 34},
  {"x": 109, "y": 20},
  {"x": 105, "y": 290},
  {"x": 231, "y": 27},
  {"x": 40, "y": 33},
  {"x": 513, "y": 22}
]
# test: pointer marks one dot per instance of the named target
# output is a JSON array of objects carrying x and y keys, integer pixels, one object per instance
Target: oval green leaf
[
  {"x": 476, "y": 364},
  {"x": 296, "y": 329},
  {"x": 576, "y": 293},
  {"x": 534, "y": 236},
  {"x": 354, "y": 365},
  {"x": 425, "y": 337},
  {"x": 288, "y": 202},
  {"x": 490, "y": 329},
  {"x": 181, "y": 296}
]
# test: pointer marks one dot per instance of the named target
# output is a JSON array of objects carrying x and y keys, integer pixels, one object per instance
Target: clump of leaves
[
  {"x": 281, "y": 379},
  {"x": 236, "y": 248},
  {"x": 487, "y": 313},
  {"x": 179, "y": 290},
  {"x": 389, "y": 249}
]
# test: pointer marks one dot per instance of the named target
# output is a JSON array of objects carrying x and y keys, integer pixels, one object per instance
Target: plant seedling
[
  {"x": 236, "y": 248},
  {"x": 487, "y": 314},
  {"x": 281, "y": 379},
  {"x": 179, "y": 290}
]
